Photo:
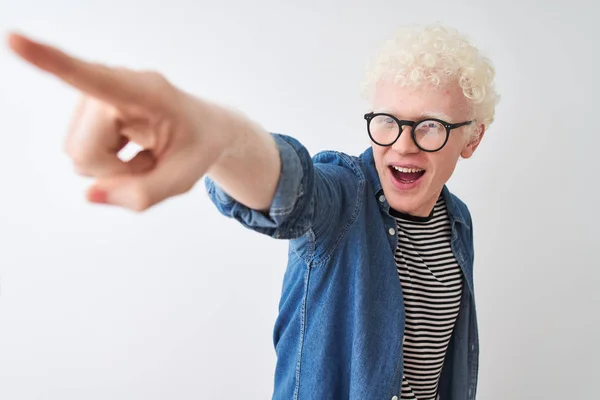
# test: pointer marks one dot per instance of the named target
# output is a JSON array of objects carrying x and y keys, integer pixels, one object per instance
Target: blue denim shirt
[{"x": 341, "y": 317}]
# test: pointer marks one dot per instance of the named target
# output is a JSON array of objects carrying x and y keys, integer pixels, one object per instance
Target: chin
[
  {"x": 407, "y": 206},
  {"x": 410, "y": 197}
]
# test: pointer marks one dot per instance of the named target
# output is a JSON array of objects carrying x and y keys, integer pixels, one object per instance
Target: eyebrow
[
  {"x": 436, "y": 115},
  {"x": 425, "y": 115}
]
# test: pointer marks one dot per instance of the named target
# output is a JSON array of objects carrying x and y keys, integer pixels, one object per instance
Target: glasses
[{"x": 428, "y": 134}]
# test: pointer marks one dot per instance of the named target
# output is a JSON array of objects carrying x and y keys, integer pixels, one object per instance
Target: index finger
[{"x": 99, "y": 81}]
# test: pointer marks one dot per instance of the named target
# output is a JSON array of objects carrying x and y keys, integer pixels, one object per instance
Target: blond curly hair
[{"x": 437, "y": 55}]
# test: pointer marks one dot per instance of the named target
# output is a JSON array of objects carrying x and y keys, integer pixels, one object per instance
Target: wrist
[{"x": 211, "y": 126}]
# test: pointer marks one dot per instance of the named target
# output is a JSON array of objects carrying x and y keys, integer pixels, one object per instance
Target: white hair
[{"x": 437, "y": 55}]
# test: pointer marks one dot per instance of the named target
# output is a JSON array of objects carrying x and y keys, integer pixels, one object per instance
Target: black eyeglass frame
[{"x": 413, "y": 124}]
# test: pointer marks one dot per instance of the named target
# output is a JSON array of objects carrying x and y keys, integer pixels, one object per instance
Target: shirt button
[
  {"x": 392, "y": 231},
  {"x": 382, "y": 198},
  {"x": 395, "y": 398}
]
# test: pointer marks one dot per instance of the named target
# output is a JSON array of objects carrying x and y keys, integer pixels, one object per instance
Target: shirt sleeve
[{"x": 308, "y": 193}]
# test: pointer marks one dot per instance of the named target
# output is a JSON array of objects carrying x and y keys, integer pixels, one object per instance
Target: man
[{"x": 377, "y": 299}]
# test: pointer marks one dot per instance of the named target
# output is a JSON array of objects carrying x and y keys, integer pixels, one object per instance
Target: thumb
[{"x": 138, "y": 192}]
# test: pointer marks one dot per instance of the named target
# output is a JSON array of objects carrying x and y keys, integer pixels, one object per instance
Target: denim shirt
[{"x": 340, "y": 327}]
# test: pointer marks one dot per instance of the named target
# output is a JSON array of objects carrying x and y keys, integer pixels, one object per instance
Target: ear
[{"x": 473, "y": 143}]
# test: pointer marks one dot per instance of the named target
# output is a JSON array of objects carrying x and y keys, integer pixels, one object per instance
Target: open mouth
[{"x": 407, "y": 175}]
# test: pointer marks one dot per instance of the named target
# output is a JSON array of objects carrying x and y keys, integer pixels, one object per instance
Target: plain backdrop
[{"x": 179, "y": 302}]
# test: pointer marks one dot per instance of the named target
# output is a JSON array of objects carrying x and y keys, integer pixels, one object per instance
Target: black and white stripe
[{"x": 431, "y": 283}]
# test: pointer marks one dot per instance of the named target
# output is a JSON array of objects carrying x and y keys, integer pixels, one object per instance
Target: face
[{"x": 413, "y": 179}]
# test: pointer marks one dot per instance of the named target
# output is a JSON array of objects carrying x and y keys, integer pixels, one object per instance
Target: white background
[{"x": 179, "y": 302}]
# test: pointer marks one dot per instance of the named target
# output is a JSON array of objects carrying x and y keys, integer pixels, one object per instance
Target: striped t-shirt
[{"x": 431, "y": 283}]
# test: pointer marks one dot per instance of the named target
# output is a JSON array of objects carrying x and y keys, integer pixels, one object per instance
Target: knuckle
[
  {"x": 68, "y": 149},
  {"x": 154, "y": 75},
  {"x": 82, "y": 171},
  {"x": 80, "y": 159},
  {"x": 157, "y": 82},
  {"x": 141, "y": 198}
]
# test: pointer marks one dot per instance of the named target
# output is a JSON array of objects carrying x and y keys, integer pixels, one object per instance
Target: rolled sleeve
[{"x": 290, "y": 213}]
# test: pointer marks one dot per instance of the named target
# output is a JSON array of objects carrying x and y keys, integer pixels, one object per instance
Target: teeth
[{"x": 407, "y": 170}]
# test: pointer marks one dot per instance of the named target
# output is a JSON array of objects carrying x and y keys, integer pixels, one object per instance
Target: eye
[
  {"x": 430, "y": 128},
  {"x": 384, "y": 120}
]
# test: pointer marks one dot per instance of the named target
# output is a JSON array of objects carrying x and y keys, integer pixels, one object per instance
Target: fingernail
[{"x": 98, "y": 196}]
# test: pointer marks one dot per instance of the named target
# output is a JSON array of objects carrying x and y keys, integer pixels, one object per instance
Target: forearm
[{"x": 249, "y": 165}]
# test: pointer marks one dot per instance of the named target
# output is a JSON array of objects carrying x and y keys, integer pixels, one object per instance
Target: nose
[{"x": 405, "y": 143}]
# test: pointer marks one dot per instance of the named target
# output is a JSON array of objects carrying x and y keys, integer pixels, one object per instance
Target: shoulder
[
  {"x": 339, "y": 159},
  {"x": 325, "y": 159}
]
